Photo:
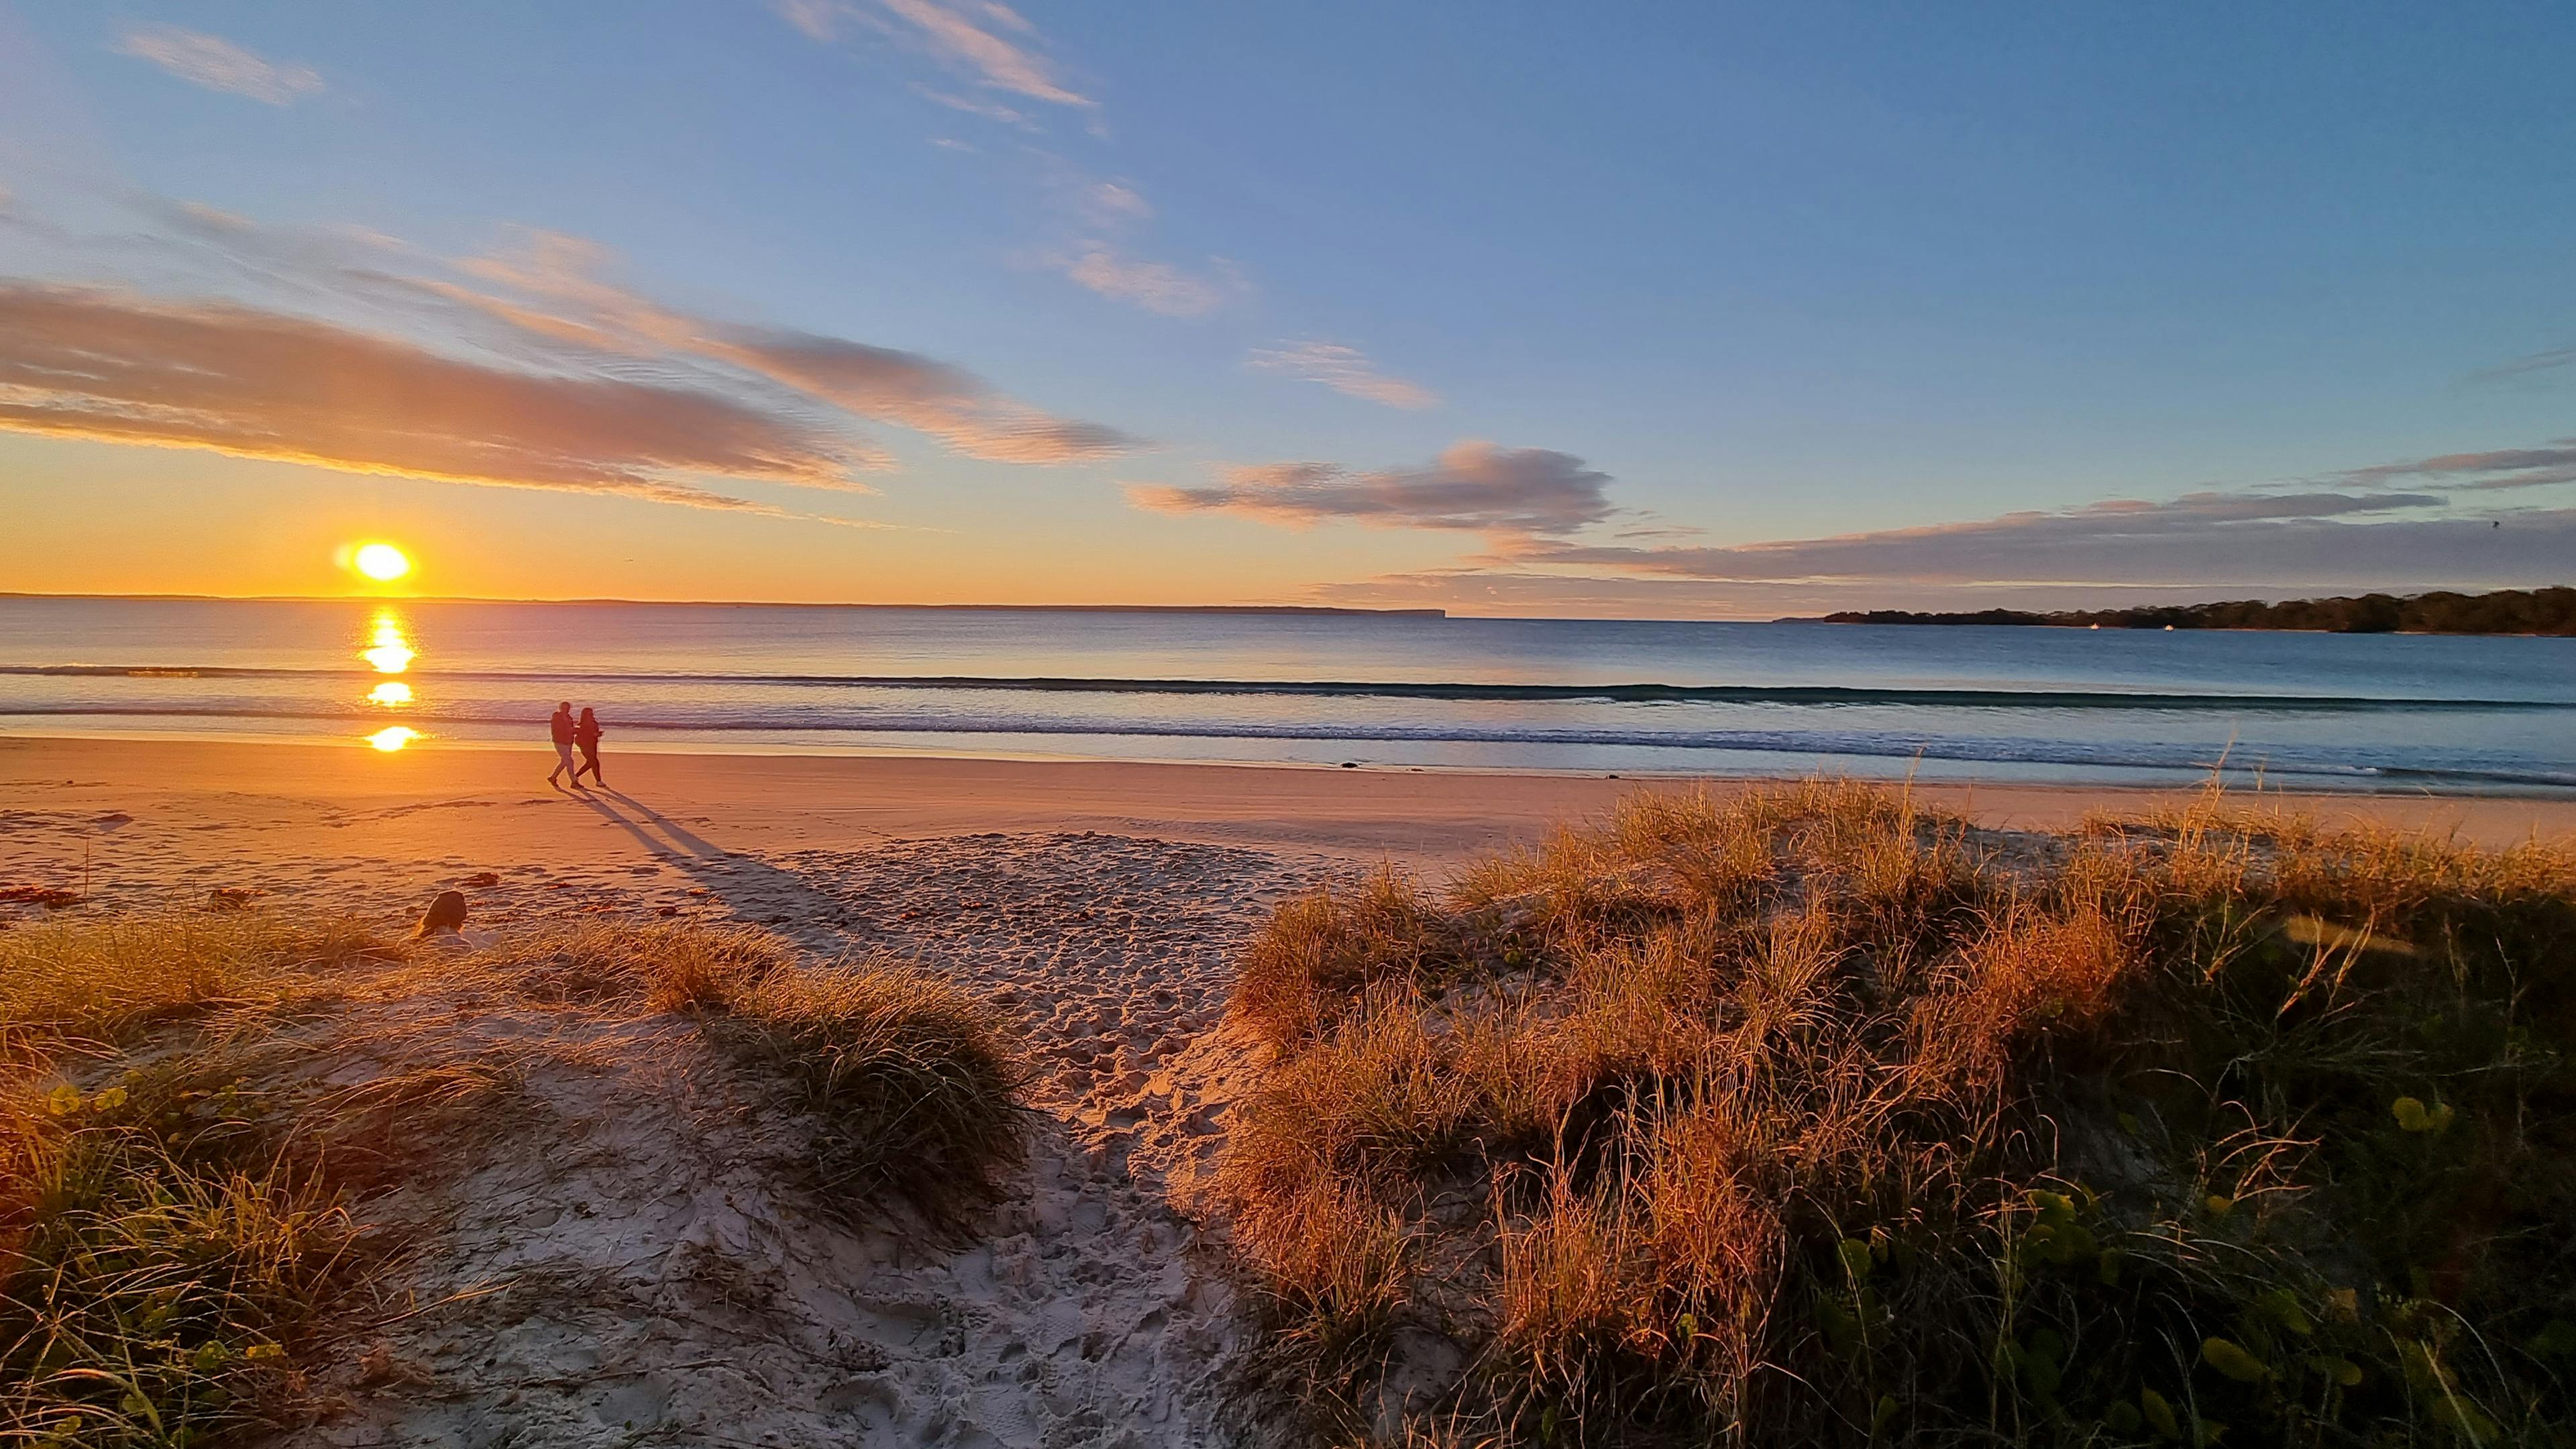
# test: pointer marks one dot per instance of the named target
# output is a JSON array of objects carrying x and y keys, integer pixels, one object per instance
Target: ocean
[{"x": 2303, "y": 711}]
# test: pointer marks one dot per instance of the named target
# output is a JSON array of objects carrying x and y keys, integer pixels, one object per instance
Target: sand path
[{"x": 632, "y": 1263}]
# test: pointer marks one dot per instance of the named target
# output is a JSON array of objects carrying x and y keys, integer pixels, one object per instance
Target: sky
[{"x": 1667, "y": 311}]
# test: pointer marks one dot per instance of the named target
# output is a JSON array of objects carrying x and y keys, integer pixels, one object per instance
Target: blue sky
[{"x": 1686, "y": 310}]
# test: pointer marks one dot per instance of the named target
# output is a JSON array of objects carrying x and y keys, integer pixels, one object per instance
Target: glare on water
[{"x": 389, "y": 651}]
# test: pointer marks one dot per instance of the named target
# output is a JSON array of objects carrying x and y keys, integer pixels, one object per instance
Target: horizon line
[{"x": 1418, "y": 613}]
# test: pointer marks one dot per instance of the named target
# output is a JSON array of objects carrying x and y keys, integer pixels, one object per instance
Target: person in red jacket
[{"x": 586, "y": 735}]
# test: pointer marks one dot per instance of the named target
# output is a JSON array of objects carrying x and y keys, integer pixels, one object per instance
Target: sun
[{"x": 382, "y": 562}]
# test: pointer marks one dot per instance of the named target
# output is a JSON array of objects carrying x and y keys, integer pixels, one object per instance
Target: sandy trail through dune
[
  {"x": 636, "y": 1265},
  {"x": 630, "y": 1259}
]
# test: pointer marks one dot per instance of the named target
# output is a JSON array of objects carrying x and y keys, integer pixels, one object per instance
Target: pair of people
[{"x": 570, "y": 732}]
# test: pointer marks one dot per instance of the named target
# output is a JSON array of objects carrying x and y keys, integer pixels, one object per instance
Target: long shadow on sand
[{"x": 753, "y": 888}]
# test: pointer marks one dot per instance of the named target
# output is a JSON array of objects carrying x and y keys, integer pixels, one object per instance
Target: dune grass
[
  {"x": 912, "y": 1081},
  {"x": 89, "y": 984},
  {"x": 183, "y": 1179},
  {"x": 167, "y": 1244},
  {"x": 1812, "y": 1117}
]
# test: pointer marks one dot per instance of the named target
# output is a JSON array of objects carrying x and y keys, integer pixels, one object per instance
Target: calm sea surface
[{"x": 2305, "y": 710}]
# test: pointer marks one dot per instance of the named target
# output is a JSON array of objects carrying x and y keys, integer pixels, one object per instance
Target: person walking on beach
[
  {"x": 561, "y": 726},
  {"x": 586, "y": 735}
]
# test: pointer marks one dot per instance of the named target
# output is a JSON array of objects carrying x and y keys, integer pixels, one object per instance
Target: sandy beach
[
  {"x": 291, "y": 817},
  {"x": 679, "y": 1283}
]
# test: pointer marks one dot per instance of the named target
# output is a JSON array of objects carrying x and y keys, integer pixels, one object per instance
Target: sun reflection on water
[{"x": 388, "y": 649}]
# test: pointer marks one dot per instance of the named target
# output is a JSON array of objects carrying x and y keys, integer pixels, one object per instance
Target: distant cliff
[{"x": 2506, "y": 611}]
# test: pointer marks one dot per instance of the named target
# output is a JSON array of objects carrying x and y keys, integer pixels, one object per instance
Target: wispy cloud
[
  {"x": 2538, "y": 362},
  {"x": 965, "y": 36},
  {"x": 217, "y": 64},
  {"x": 1158, "y": 287},
  {"x": 992, "y": 44},
  {"x": 989, "y": 110},
  {"x": 882, "y": 384},
  {"x": 2496, "y": 468},
  {"x": 2329, "y": 538},
  {"x": 524, "y": 368},
  {"x": 1522, "y": 493},
  {"x": 111, "y": 366},
  {"x": 1345, "y": 370},
  {"x": 1115, "y": 203},
  {"x": 820, "y": 20}
]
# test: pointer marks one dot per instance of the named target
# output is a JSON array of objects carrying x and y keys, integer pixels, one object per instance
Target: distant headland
[{"x": 2506, "y": 611}]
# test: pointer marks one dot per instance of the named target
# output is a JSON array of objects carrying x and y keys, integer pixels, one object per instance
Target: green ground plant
[
  {"x": 168, "y": 1244},
  {"x": 1813, "y": 1117}
]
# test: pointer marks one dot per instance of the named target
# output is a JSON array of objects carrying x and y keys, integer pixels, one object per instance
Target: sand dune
[{"x": 635, "y": 1265}]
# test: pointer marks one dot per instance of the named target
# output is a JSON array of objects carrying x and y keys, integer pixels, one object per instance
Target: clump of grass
[
  {"x": 169, "y": 1238},
  {"x": 665, "y": 965},
  {"x": 168, "y": 1261},
  {"x": 1806, "y": 1117},
  {"x": 91, "y": 984},
  {"x": 913, "y": 1080},
  {"x": 915, "y": 1083}
]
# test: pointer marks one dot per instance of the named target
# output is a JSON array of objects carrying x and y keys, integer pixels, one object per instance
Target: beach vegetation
[
  {"x": 175, "y": 1225},
  {"x": 192, "y": 1127},
  {"x": 913, "y": 1083},
  {"x": 1809, "y": 1115}
]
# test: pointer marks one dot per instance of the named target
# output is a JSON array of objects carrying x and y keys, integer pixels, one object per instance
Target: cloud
[
  {"x": 1345, "y": 370},
  {"x": 881, "y": 384},
  {"x": 1117, "y": 204},
  {"x": 986, "y": 109},
  {"x": 2294, "y": 540},
  {"x": 2497, "y": 468},
  {"x": 1474, "y": 486},
  {"x": 1002, "y": 64},
  {"x": 110, "y": 366},
  {"x": 1158, "y": 287},
  {"x": 2550, "y": 361},
  {"x": 217, "y": 64},
  {"x": 916, "y": 392},
  {"x": 820, "y": 20}
]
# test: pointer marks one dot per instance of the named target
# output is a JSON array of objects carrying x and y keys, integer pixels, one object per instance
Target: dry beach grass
[
  {"x": 184, "y": 1231},
  {"x": 1816, "y": 1117},
  {"x": 1802, "y": 1115}
]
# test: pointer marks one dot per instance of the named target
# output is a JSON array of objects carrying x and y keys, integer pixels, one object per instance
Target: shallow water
[{"x": 2372, "y": 712}]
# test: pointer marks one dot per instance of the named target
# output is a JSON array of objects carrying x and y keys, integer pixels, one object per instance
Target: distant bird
[{"x": 446, "y": 913}]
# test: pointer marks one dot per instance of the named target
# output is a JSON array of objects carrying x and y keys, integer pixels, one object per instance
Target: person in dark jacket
[
  {"x": 561, "y": 726},
  {"x": 586, "y": 735}
]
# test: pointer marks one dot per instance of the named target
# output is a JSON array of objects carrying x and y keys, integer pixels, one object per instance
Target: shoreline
[{"x": 167, "y": 814}]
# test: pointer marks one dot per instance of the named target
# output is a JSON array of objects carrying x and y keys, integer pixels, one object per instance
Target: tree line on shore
[{"x": 2505, "y": 611}]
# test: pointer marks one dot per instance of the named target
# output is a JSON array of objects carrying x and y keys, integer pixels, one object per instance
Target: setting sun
[{"x": 382, "y": 562}]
